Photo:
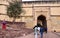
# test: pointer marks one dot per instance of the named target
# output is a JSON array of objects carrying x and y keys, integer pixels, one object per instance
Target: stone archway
[{"x": 42, "y": 20}]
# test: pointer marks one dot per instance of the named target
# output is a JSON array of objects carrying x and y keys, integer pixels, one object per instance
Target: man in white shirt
[{"x": 35, "y": 31}]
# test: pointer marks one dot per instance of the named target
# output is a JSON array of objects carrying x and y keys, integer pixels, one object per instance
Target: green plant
[{"x": 14, "y": 10}]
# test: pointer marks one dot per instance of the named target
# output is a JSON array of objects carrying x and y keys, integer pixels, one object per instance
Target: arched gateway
[{"x": 42, "y": 20}]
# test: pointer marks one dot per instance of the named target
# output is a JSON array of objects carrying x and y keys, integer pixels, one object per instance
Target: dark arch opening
[{"x": 42, "y": 18}]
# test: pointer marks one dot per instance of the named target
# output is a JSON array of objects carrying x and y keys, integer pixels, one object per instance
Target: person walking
[
  {"x": 4, "y": 28},
  {"x": 36, "y": 31},
  {"x": 4, "y": 25},
  {"x": 41, "y": 31}
]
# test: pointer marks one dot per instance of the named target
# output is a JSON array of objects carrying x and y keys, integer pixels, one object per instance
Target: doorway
[{"x": 43, "y": 22}]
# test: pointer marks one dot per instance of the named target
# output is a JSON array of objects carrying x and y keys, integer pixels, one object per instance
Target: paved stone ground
[
  {"x": 28, "y": 34},
  {"x": 14, "y": 30},
  {"x": 24, "y": 33},
  {"x": 48, "y": 35},
  {"x": 14, "y": 33}
]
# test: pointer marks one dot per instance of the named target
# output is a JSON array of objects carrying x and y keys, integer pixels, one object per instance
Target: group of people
[{"x": 39, "y": 29}]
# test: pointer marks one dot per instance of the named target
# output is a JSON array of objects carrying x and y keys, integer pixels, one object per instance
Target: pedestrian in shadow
[
  {"x": 45, "y": 29},
  {"x": 41, "y": 31}
]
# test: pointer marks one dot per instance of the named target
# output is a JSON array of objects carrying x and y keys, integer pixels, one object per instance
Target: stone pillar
[{"x": 49, "y": 25}]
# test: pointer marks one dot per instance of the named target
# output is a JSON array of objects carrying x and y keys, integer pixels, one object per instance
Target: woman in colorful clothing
[{"x": 4, "y": 25}]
